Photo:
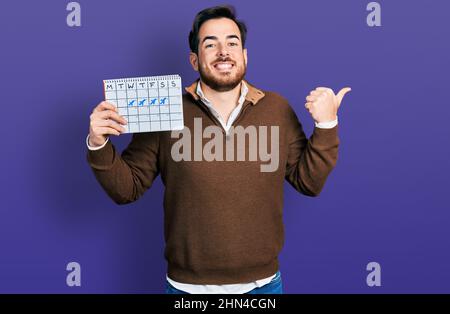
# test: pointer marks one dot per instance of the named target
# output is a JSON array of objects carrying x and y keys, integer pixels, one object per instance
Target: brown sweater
[{"x": 222, "y": 219}]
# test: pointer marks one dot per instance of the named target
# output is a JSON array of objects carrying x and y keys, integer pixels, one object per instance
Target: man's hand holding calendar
[
  {"x": 323, "y": 104},
  {"x": 105, "y": 121}
]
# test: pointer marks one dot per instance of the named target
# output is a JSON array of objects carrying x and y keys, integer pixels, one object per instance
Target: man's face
[{"x": 221, "y": 59}]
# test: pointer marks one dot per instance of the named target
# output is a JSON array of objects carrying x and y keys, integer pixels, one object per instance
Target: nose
[{"x": 223, "y": 51}]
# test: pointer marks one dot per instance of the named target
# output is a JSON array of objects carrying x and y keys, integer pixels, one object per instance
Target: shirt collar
[
  {"x": 248, "y": 92},
  {"x": 244, "y": 92}
]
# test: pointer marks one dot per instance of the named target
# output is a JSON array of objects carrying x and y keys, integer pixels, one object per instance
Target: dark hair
[{"x": 226, "y": 11}]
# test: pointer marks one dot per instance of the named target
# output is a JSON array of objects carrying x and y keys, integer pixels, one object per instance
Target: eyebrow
[{"x": 215, "y": 37}]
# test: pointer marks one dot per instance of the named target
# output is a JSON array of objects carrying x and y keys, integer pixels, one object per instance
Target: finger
[
  {"x": 108, "y": 123},
  {"x": 316, "y": 93},
  {"x": 342, "y": 93},
  {"x": 109, "y": 114},
  {"x": 107, "y": 130},
  {"x": 324, "y": 89},
  {"x": 311, "y": 98},
  {"x": 104, "y": 105}
]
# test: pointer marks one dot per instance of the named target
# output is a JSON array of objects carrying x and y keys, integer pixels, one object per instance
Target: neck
[{"x": 221, "y": 98}]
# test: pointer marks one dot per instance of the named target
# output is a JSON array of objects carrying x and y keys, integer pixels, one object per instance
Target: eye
[
  {"x": 233, "y": 44},
  {"x": 209, "y": 45}
]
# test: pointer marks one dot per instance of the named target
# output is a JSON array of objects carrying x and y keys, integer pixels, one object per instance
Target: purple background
[{"x": 387, "y": 200}]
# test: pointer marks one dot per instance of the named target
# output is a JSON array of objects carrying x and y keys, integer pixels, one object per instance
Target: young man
[{"x": 222, "y": 217}]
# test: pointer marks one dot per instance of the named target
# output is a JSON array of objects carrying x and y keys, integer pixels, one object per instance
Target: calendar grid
[
  {"x": 169, "y": 105},
  {"x": 137, "y": 97},
  {"x": 126, "y": 102},
  {"x": 159, "y": 108},
  {"x": 149, "y": 118},
  {"x": 137, "y": 103}
]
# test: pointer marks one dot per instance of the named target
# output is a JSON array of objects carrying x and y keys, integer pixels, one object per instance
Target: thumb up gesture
[{"x": 323, "y": 104}]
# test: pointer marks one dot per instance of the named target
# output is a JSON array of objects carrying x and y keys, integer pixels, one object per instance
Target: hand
[
  {"x": 105, "y": 120},
  {"x": 323, "y": 104}
]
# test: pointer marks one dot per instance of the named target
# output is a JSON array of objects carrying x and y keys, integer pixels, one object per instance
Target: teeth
[{"x": 223, "y": 66}]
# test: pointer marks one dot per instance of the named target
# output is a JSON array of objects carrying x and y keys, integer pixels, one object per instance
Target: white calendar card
[{"x": 149, "y": 104}]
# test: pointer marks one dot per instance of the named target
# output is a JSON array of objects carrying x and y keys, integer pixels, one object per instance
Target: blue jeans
[{"x": 275, "y": 286}]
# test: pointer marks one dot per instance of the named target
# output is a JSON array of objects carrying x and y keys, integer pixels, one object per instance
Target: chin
[{"x": 222, "y": 81}]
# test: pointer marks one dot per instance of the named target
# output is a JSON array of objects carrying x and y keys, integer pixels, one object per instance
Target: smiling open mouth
[{"x": 223, "y": 66}]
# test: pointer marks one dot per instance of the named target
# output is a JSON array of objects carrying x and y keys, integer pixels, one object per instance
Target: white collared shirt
[{"x": 234, "y": 113}]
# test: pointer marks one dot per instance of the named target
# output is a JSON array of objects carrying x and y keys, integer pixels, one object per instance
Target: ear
[
  {"x": 245, "y": 56},
  {"x": 193, "y": 59}
]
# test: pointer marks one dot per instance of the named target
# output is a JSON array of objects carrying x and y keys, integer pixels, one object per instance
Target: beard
[{"x": 223, "y": 82}]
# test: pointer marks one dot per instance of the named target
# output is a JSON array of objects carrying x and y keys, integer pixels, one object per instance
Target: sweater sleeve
[
  {"x": 127, "y": 176},
  {"x": 310, "y": 161}
]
